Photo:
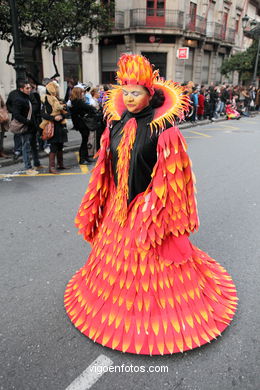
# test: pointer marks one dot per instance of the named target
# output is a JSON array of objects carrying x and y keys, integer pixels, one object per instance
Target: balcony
[
  {"x": 230, "y": 37},
  {"x": 215, "y": 31},
  {"x": 119, "y": 20},
  {"x": 195, "y": 24},
  {"x": 156, "y": 18}
]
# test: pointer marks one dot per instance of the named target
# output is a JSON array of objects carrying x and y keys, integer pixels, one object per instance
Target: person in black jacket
[
  {"x": 20, "y": 110},
  {"x": 78, "y": 109},
  {"x": 10, "y": 107}
]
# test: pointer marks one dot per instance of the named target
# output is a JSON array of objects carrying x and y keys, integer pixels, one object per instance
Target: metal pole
[
  {"x": 256, "y": 62},
  {"x": 18, "y": 55}
]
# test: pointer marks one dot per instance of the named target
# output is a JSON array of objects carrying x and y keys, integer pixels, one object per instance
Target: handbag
[
  {"x": 48, "y": 131},
  {"x": 17, "y": 127},
  {"x": 90, "y": 122},
  {"x": 4, "y": 117}
]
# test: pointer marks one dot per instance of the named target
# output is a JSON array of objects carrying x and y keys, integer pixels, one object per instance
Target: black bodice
[{"x": 143, "y": 154}]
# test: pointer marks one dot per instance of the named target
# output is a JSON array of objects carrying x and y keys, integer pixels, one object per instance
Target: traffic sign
[{"x": 183, "y": 53}]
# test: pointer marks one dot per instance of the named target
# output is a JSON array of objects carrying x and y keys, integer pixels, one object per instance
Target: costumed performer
[{"x": 145, "y": 288}]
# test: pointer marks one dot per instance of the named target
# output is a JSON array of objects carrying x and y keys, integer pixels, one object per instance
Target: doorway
[{"x": 159, "y": 60}]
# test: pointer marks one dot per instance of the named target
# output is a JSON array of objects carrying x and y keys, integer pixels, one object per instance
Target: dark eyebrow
[{"x": 124, "y": 90}]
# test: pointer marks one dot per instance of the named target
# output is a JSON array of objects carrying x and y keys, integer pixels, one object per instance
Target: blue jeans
[
  {"x": 34, "y": 150},
  {"x": 26, "y": 150},
  {"x": 17, "y": 144}
]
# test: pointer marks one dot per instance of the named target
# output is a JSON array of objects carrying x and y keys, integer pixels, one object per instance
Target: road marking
[
  {"x": 3, "y": 175},
  {"x": 192, "y": 136},
  {"x": 197, "y": 132},
  {"x": 84, "y": 169},
  {"x": 91, "y": 375},
  {"x": 230, "y": 127}
]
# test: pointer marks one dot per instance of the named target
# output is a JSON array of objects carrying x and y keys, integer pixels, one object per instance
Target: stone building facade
[{"x": 211, "y": 29}]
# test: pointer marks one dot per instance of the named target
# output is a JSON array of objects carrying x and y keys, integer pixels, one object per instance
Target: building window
[
  {"x": 155, "y": 12},
  {"x": 72, "y": 63},
  {"x": 220, "y": 60},
  {"x": 224, "y": 25},
  {"x": 188, "y": 67},
  {"x": 193, "y": 14},
  {"x": 108, "y": 77},
  {"x": 33, "y": 59},
  {"x": 159, "y": 60},
  {"x": 237, "y": 26},
  {"x": 205, "y": 67},
  {"x": 108, "y": 63}
]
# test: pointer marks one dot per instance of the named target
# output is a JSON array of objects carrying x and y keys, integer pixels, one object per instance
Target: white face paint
[{"x": 135, "y": 97}]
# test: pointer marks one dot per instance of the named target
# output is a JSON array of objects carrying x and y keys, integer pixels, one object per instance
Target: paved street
[{"x": 39, "y": 347}]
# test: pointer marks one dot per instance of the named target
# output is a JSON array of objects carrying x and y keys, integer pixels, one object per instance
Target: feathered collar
[{"x": 175, "y": 104}]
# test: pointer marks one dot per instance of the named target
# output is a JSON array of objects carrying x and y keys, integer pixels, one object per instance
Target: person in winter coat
[
  {"x": 53, "y": 110},
  {"x": 201, "y": 99},
  {"x": 21, "y": 108},
  {"x": 3, "y": 126},
  {"x": 10, "y": 107},
  {"x": 78, "y": 109}
]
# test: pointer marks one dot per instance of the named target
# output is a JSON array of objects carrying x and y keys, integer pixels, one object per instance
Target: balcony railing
[
  {"x": 214, "y": 30},
  {"x": 230, "y": 37},
  {"x": 195, "y": 24},
  {"x": 173, "y": 19},
  {"x": 119, "y": 20},
  {"x": 152, "y": 18}
]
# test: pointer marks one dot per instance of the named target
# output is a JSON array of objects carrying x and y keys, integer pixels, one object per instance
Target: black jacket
[
  {"x": 21, "y": 108},
  {"x": 144, "y": 152},
  {"x": 11, "y": 99},
  {"x": 60, "y": 130},
  {"x": 10, "y": 104},
  {"x": 78, "y": 109}
]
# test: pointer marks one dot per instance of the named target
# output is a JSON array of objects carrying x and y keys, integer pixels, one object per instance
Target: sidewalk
[{"x": 74, "y": 141}]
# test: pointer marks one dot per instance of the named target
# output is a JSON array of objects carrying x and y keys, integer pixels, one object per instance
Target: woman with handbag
[
  {"x": 4, "y": 120},
  {"x": 81, "y": 114},
  {"x": 54, "y": 111}
]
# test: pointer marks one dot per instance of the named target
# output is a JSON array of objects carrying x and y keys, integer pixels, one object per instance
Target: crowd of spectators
[
  {"x": 82, "y": 100},
  {"x": 211, "y": 102}
]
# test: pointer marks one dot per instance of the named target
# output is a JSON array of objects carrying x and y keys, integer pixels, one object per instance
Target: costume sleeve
[
  {"x": 170, "y": 204},
  {"x": 90, "y": 214}
]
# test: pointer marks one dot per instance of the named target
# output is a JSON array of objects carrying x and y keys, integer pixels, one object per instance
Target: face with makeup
[{"x": 135, "y": 97}]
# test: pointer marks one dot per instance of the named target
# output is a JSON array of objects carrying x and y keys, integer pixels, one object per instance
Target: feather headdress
[{"x": 134, "y": 69}]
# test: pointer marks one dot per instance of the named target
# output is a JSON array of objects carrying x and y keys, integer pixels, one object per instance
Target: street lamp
[
  {"x": 18, "y": 55},
  {"x": 253, "y": 33}
]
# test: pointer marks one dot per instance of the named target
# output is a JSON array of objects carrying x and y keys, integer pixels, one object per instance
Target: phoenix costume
[{"x": 145, "y": 288}]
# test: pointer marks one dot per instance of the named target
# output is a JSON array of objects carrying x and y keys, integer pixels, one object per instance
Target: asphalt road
[{"x": 40, "y": 250}]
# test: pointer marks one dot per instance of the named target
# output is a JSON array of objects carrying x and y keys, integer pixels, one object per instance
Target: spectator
[
  {"x": 224, "y": 96},
  {"x": 36, "y": 117},
  {"x": 257, "y": 99},
  {"x": 195, "y": 102},
  {"x": 201, "y": 105},
  {"x": 10, "y": 107},
  {"x": 93, "y": 101},
  {"x": 70, "y": 85},
  {"x": 3, "y": 125},
  {"x": 54, "y": 111},
  {"x": 87, "y": 92},
  {"x": 22, "y": 112},
  {"x": 78, "y": 109},
  {"x": 213, "y": 99}
]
